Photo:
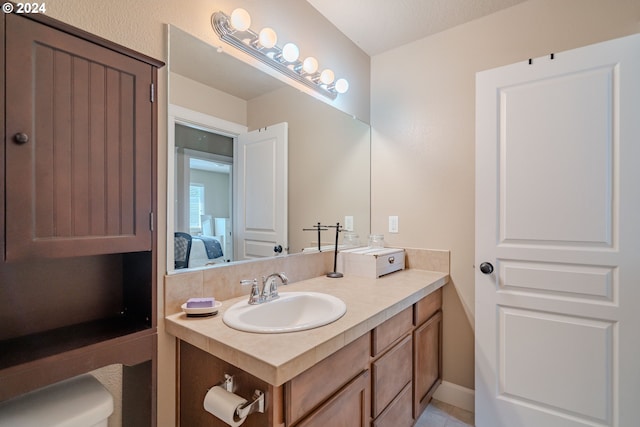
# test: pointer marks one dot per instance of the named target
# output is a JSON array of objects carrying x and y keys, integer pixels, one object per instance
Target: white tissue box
[{"x": 370, "y": 262}]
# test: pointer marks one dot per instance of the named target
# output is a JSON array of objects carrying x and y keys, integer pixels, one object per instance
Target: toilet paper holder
[{"x": 255, "y": 405}]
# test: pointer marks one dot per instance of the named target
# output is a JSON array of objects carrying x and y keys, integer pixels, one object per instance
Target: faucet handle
[{"x": 254, "y": 294}]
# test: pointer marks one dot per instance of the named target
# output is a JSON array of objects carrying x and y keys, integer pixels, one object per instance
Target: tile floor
[{"x": 440, "y": 414}]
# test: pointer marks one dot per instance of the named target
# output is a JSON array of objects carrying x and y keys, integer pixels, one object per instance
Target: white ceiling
[{"x": 379, "y": 25}]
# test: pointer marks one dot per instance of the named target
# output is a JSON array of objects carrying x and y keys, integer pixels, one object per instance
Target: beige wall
[{"x": 423, "y": 114}]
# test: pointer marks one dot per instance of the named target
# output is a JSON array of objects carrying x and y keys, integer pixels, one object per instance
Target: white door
[
  {"x": 261, "y": 185},
  {"x": 558, "y": 217}
]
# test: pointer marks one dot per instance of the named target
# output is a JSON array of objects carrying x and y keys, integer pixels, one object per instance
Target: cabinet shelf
[
  {"x": 37, "y": 346},
  {"x": 37, "y": 360}
]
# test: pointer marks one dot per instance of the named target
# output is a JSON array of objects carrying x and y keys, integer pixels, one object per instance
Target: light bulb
[
  {"x": 342, "y": 85},
  {"x": 290, "y": 52},
  {"x": 240, "y": 19},
  {"x": 267, "y": 37},
  {"x": 327, "y": 76},
  {"x": 310, "y": 65}
]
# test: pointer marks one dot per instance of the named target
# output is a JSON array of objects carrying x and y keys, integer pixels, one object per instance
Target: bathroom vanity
[{"x": 377, "y": 365}]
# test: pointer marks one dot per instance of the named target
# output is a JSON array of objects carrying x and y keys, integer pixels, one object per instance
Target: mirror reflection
[{"x": 225, "y": 206}]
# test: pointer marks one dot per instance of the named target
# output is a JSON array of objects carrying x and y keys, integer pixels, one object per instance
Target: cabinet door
[
  {"x": 391, "y": 373},
  {"x": 347, "y": 408},
  {"x": 426, "y": 362},
  {"x": 78, "y": 146}
]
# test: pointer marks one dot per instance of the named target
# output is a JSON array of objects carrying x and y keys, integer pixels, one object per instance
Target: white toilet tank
[{"x": 77, "y": 402}]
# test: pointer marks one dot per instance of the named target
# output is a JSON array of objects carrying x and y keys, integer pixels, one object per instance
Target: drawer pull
[{"x": 392, "y": 259}]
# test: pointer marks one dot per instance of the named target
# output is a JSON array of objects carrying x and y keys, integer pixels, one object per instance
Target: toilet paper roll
[{"x": 223, "y": 404}]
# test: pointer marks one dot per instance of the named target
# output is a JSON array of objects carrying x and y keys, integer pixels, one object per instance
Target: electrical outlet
[
  {"x": 348, "y": 223},
  {"x": 393, "y": 224}
]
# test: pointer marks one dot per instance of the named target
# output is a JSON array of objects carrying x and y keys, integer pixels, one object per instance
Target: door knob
[
  {"x": 21, "y": 138},
  {"x": 486, "y": 268},
  {"x": 277, "y": 249}
]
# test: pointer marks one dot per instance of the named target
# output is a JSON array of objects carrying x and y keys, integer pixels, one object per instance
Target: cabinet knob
[
  {"x": 278, "y": 249},
  {"x": 21, "y": 138},
  {"x": 486, "y": 268}
]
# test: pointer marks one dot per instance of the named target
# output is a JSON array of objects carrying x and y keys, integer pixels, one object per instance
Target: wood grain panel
[
  {"x": 427, "y": 362},
  {"x": 80, "y": 193},
  {"x": 127, "y": 155},
  {"x": 398, "y": 413},
  {"x": 347, "y": 408},
  {"x": 62, "y": 149},
  {"x": 390, "y": 374},
  {"x": 90, "y": 143},
  {"x": 309, "y": 389},
  {"x": 43, "y": 151},
  {"x": 427, "y": 307},
  {"x": 97, "y": 150},
  {"x": 112, "y": 161},
  {"x": 391, "y": 331}
]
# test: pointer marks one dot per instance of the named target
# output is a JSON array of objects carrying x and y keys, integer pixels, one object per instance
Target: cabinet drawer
[
  {"x": 306, "y": 391},
  {"x": 391, "y": 373},
  {"x": 427, "y": 307},
  {"x": 398, "y": 414},
  {"x": 391, "y": 330},
  {"x": 348, "y": 407}
]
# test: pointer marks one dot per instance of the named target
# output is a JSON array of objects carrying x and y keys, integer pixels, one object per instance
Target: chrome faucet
[
  {"x": 269, "y": 289},
  {"x": 270, "y": 286}
]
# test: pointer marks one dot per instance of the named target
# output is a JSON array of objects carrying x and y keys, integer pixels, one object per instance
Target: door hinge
[
  {"x": 151, "y": 221},
  {"x": 153, "y": 93}
]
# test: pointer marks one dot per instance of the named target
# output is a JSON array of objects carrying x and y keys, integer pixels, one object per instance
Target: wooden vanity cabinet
[
  {"x": 198, "y": 371},
  {"x": 78, "y": 193},
  {"x": 427, "y": 350},
  {"x": 384, "y": 378}
]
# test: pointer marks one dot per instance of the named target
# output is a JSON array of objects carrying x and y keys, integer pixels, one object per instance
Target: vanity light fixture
[{"x": 236, "y": 31}]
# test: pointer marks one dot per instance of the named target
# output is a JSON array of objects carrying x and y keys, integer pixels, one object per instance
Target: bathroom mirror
[{"x": 328, "y": 150}]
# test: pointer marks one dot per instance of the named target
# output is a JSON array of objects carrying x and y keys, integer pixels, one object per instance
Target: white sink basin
[{"x": 293, "y": 311}]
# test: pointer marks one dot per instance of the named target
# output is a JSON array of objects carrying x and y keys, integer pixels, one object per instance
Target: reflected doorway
[{"x": 203, "y": 186}]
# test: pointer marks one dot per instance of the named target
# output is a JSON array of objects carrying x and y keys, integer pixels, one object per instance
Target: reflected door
[
  {"x": 261, "y": 192},
  {"x": 558, "y": 240}
]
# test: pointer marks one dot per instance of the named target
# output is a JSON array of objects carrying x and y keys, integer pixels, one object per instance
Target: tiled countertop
[{"x": 277, "y": 358}]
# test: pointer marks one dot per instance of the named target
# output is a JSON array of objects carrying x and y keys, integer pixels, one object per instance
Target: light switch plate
[
  {"x": 393, "y": 224},
  {"x": 348, "y": 223}
]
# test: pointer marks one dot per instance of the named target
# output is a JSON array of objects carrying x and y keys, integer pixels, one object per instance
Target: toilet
[{"x": 77, "y": 402}]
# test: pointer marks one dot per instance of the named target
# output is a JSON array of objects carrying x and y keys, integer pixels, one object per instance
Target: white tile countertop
[{"x": 277, "y": 358}]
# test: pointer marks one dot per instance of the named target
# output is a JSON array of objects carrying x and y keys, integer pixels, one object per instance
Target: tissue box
[{"x": 370, "y": 262}]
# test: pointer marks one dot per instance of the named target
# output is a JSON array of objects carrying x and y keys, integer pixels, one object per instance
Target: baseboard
[{"x": 453, "y": 394}]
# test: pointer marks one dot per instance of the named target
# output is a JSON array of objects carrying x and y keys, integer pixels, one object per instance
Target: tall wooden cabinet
[{"x": 78, "y": 197}]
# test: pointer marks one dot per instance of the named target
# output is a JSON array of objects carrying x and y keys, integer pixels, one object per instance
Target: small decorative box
[{"x": 370, "y": 262}]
